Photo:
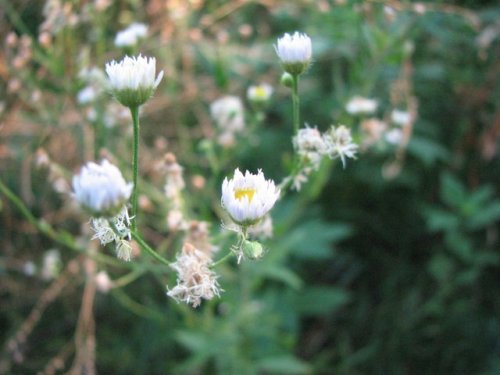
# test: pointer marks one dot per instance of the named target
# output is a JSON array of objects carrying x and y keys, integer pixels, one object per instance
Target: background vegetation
[{"x": 389, "y": 266}]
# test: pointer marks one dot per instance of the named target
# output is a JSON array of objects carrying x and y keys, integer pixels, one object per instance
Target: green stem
[
  {"x": 144, "y": 246},
  {"x": 45, "y": 229},
  {"x": 135, "y": 164},
  {"x": 223, "y": 259},
  {"x": 295, "y": 103}
]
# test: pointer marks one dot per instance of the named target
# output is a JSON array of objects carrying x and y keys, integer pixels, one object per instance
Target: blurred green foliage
[{"x": 366, "y": 273}]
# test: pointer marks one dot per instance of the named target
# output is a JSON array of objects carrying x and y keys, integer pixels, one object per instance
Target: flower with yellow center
[{"x": 248, "y": 198}]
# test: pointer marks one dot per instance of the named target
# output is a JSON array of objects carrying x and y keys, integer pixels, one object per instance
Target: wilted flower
[
  {"x": 132, "y": 80},
  {"x": 295, "y": 52},
  {"x": 248, "y": 198},
  {"x": 131, "y": 35},
  {"x": 195, "y": 280},
  {"x": 120, "y": 234},
  {"x": 358, "y": 104},
  {"x": 101, "y": 189},
  {"x": 339, "y": 143},
  {"x": 309, "y": 144}
]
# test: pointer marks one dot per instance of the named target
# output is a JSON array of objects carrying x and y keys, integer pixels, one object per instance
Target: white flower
[
  {"x": 358, "y": 104},
  {"x": 101, "y": 189},
  {"x": 394, "y": 136},
  {"x": 339, "y": 143},
  {"x": 401, "y": 118},
  {"x": 295, "y": 52},
  {"x": 51, "y": 264},
  {"x": 131, "y": 35},
  {"x": 86, "y": 95},
  {"x": 103, "y": 282},
  {"x": 132, "y": 80},
  {"x": 195, "y": 280},
  {"x": 248, "y": 198},
  {"x": 228, "y": 113},
  {"x": 260, "y": 93},
  {"x": 309, "y": 144}
]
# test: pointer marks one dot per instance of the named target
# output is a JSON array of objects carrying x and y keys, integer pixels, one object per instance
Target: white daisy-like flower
[
  {"x": 86, "y": 95},
  {"x": 131, "y": 35},
  {"x": 359, "y": 105},
  {"x": 248, "y": 198},
  {"x": 195, "y": 280},
  {"x": 339, "y": 143},
  {"x": 259, "y": 93},
  {"x": 295, "y": 52},
  {"x": 101, "y": 189},
  {"x": 132, "y": 80}
]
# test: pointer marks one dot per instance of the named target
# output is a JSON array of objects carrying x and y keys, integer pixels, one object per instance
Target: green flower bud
[
  {"x": 252, "y": 249},
  {"x": 287, "y": 80}
]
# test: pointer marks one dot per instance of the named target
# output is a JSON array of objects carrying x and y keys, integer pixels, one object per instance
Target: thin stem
[
  {"x": 60, "y": 237},
  {"x": 144, "y": 246},
  {"x": 135, "y": 164},
  {"x": 295, "y": 103},
  {"x": 223, "y": 259}
]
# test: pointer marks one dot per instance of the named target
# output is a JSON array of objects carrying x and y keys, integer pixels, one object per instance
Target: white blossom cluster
[
  {"x": 195, "y": 280},
  {"x": 311, "y": 146}
]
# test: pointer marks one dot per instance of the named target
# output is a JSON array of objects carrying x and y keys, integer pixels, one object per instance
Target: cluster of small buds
[
  {"x": 130, "y": 36},
  {"x": 133, "y": 80},
  {"x": 58, "y": 15},
  {"x": 295, "y": 52},
  {"x": 120, "y": 234},
  {"x": 359, "y": 105},
  {"x": 229, "y": 116},
  {"x": 101, "y": 189},
  {"x": 195, "y": 279}
]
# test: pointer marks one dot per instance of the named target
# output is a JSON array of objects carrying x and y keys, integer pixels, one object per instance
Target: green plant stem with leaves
[{"x": 135, "y": 164}]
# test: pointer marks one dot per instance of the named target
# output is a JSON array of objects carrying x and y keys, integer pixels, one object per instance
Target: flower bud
[
  {"x": 252, "y": 249},
  {"x": 287, "y": 80}
]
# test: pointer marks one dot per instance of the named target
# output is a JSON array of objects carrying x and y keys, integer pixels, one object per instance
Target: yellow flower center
[
  {"x": 260, "y": 92},
  {"x": 246, "y": 192}
]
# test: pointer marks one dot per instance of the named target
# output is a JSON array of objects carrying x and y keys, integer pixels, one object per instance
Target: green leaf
[
  {"x": 484, "y": 217},
  {"x": 320, "y": 300},
  {"x": 452, "y": 191},
  {"x": 284, "y": 364},
  {"x": 427, "y": 150}
]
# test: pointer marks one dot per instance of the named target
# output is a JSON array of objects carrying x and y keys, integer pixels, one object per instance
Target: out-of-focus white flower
[
  {"x": 358, "y": 105},
  {"x": 263, "y": 229},
  {"x": 29, "y": 268},
  {"x": 248, "y": 198},
  {"x": 101, "y": 189},
  {"x": 394, "y": 136},
  {"x": 195, "y": 280},
  {"x": 295, "y": 52},
  {"x": 228, "y": 114},
  {"x": 401, "y": 118},
  {"x": 339, "y": 143},
  {"x": 175, "y": 220},
  {"x": 51, "y": 264},
  {"x": 309, "y": 144},
  {"x": 259, "y": 93},
  {"x": 86, "y": 96},
  {"x": 174, "y": 182},
  {"x": 131, "y": 35},
  {"x": 103, "y": 282},
  {"x": 133, "y": 80}
]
